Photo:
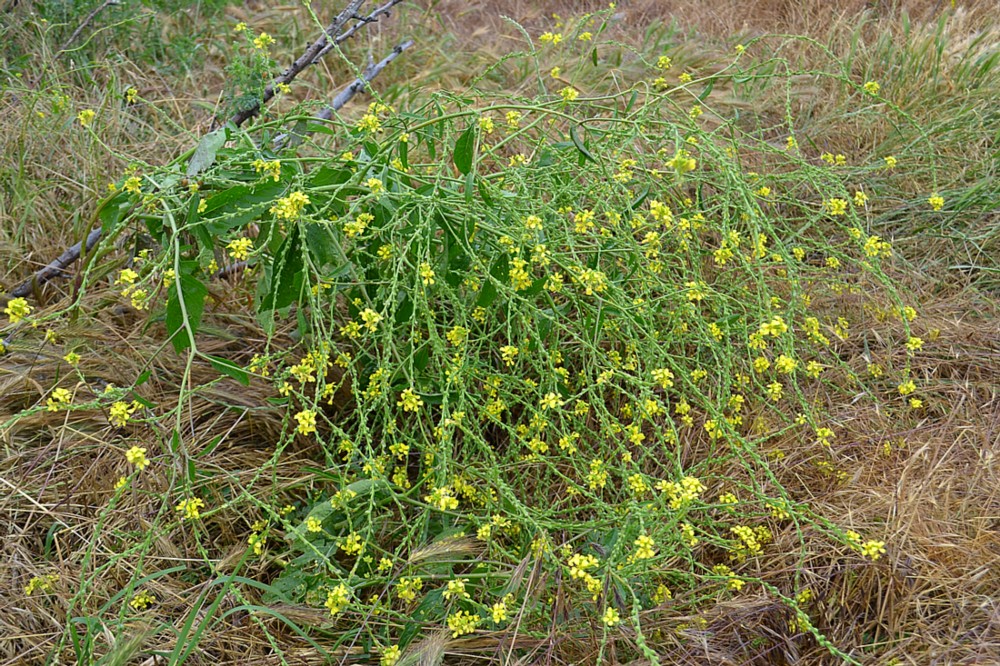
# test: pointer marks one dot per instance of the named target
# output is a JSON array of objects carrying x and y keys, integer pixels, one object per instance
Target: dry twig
[{"x": 90, "y": 17}]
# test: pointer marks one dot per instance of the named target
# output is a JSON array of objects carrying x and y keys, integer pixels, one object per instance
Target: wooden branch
[
  {"x": 303, "y": 61},
  {"x": 56, "y": 267},
  {"x": 362, "y": 82},
  {"x": 90, "y": 17},
  {"x": 294, "y": 137},
  {"x": 384, "y": 10}
]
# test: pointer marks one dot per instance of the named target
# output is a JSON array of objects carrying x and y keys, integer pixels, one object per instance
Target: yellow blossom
[
  {"x": 17, "y": 309},
  {"x": 85, "y": 117},
  {"x": 190, "y": 508},
  {"x": 137, "y": 456}
]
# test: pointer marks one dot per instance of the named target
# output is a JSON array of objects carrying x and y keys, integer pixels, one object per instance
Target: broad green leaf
[
  {"x": 465, "y": 147},
  {"x": 204, "y": 154},
  {"x": 286, "y": 277},
  {"x": 184, "y": 318},
  {"x": 579, "y": 144},
  {"x": 229, "y": 369}
]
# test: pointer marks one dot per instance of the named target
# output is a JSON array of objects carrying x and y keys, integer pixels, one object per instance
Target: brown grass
[{"x": 934, "y": 493}]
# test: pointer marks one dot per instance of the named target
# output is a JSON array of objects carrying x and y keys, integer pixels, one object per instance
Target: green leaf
[
  {"x": 631, "y": 101},
  {"x": 593, "y": 56},
  {"x": 185, "y": 304},
  {"x": 707, "y": 91},
  {"x": 229, "y": 369},
  {"x": 579, "y": 144},
  {"x": 465, "y": 147},
  {"x": 404, "y": 154},
  {"x": 204, "y": 154},
  {"x": 286, "y": 278},
  {"x": 112, "y": 211}
]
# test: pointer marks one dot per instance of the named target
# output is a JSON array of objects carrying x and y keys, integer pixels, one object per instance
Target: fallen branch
[
  {"x": 90, "y": 17},
  {"x": 362, "y": 82},
  {"x": 384, "y": 10},
  {"x": 345, "y": 95},
  {"x": 56, "y": 267}
]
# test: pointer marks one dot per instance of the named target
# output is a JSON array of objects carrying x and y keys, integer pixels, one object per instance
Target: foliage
[{"x": 549, "y": 352}]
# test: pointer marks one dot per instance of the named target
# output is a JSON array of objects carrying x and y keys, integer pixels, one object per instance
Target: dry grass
[{"x": 933, "y": 489}]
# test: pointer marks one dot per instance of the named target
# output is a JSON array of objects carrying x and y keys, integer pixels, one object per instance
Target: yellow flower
[
  {"x": 550, "y": 38},
  {"x": 462, "y": 622},
  {"x": 289, "y": 208},
  {"x": 270, "y": 168},
  {"x": 314, "y": 524},
  {"x": 456, "y": 589},
  {"x": 409, "y": 587},
  {"x": 240, "y": 27},
  {"x": 873, "y": 549},
  {"x": 426, "y": 274},
  {"x": 644, "y": 547},
  {"x": 57, "y": 399},
  {"x": 307, "y": 422},
  {"x": 133, "y": 184},
  {"x": 569, "y": 94},
  {"x": 239, "y": 248},
  {"x": 936, "y": 201},
  {"x": 498, "y": 612},
  {"x": 585, "y": 37},
  {"x": 872, "y": 88},
  {"x": 42, "y": 583},
  {"x": 611, "y": 617},
  {"x": 190, "y": 508},
  {"x": 410, "y": 401},
  {"x": 130, "y": 95},
  {"x": 555, "y": 72},
  {"x": 262, "y": 41},
  {"x": 137, "y": 456},
  {"x": 486, "y": 125},
  {"x": 442, "y": 499},
  {"x": 890, "y": 162},
  {"x": 120, "y": 413},
  {"x": 551, "y": 401},
  {"x": 390, "y": 656},
  {"x": 72, "y": 358},
  {"x": 835, "y": 206},
  {"x": 508, "y": 353},
  {"x": 85, "y": 117},
  {"x": 17, "y": 309},
  {"x": 142, "y": 601},
  {"x": 337, "y": 599},
  {"x": 663, "y": 62},
  {"x": 369, "y": 123}
]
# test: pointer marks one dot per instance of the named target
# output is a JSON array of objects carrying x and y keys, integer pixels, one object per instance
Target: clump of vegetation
[{"x": 564, "y": 358}]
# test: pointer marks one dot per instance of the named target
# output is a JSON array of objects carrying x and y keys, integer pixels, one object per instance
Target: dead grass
[{"x": 934, "y": 492}]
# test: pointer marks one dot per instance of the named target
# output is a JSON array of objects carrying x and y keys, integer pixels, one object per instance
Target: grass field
[{"x": 661, "y": 333}]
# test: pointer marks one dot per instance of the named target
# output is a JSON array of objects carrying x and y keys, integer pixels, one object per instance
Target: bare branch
[
  {"x": 384, "y": 10},
  {"x": 361, "y": 83},
  {"x": 90, "y": 17},
  {"x": 56, "y": 267},
  {"x": 303, "y": 61},
  {"x": 345, "y": 95}
]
